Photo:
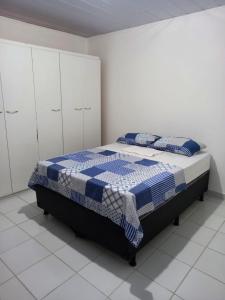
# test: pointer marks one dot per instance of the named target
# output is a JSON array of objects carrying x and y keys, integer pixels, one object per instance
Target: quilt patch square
[
  {"x": 42, "y": 167},
  {"x": 108, "y": 177},
  {"x": 107, "y": 153},
  {"x": 94, "y": 189},
  {"x": 147, "y": 162},
  {"x": 57, "y": 159},
  {"x": 131, "y": 135},
  {"x": 78, "y": 182},
  {"x": 142, "y": 194},
  {"x": 116, "y": 166},
  {"x": 92, "y": 172},
  {"x": 115, "y": 163},
  {"x": 66, "y": 163},
  {"x": 79, "y": 156},
  {"x": 161, "y": 185},
  {"x": 113, "y": 199},
  {"x": 53, "y": 171}
]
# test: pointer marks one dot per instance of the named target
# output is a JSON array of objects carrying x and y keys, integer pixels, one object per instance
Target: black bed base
[{"x": 90, "y": 225}]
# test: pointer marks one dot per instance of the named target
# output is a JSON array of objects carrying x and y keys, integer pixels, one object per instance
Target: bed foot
[
  {"x": 132, "y": 261},
  {"x": 46, "y": 212},
  {"x": 201, "y": 197},
  {"x": 176, "y": 221}
]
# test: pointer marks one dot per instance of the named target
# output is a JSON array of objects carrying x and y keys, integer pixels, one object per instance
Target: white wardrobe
[
  {"x": 80, "y": 103},
  {"x": 49, "y": 105}
]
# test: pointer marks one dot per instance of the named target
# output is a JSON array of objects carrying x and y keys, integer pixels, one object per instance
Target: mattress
[
  {"x": 119, "y": 186},
  {"x": 193, "y": 166}
]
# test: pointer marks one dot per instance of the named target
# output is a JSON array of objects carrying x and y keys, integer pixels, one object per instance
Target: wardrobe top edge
[{"x": 5, "y": 41}]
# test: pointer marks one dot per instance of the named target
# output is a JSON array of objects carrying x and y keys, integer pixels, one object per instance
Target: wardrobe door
[
  {"x": 92, "y": 103},
  {"x": 72, "y": 86},
  {"x": 18, "y": 97},
  {"x": 5, "y": 181},
  {"x": 48, "y": 102}
]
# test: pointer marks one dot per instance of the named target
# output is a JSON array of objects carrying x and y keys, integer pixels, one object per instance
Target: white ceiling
[{"x": 93, "y": 17}]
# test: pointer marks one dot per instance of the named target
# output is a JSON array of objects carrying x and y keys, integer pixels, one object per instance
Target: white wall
[
  {"x": 168, "y": 78},
  {"x": 27, "y": 33}
]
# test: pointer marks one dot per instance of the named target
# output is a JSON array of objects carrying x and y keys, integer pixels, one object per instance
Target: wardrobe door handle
[
  {"x": 55, "y": 110},
  {"x": 1, "y": 112},
  {"x": 12, "y": 112},
  {"x": 78, "y": 108},
  {"x": 87, "y": 108}
]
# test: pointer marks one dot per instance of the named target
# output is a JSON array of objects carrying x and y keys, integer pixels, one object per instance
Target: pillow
[
  {"x": 179, "y": 145},
  {"x": 138, "y": 139}
]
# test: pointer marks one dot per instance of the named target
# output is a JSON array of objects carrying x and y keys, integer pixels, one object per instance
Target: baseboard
[{"x": 216, "y": 194}]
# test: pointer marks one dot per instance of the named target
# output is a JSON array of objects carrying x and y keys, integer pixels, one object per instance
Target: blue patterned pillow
[
  {"x": 139, "y": 139},
  {"x": 179, "y": 145}
]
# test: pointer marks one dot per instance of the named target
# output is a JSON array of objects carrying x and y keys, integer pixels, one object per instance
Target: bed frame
[{"x": 88, "y": 224}]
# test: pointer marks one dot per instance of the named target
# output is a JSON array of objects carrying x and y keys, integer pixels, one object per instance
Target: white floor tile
[
  {"x": 196, "y": 233},
  {"x": 78, "y": 254},
  {"x": 28, "y": 195},
  {"x": 175, "y": 297},
  {"x": 162, "y": 236},
  {"x": 63, "y": 232},
  {"x": 144, "y": 253},
  {"x": 45, "y": 276},
  {"x": 50, "y": 241},
  {"x": 188, "y": 212},
  {"x": 10, "y": 203},
  {"x": 35, "y": 225},
  {"x": 216, "y": 207},
  {"x": 198, "y": 286},
  {"x": 212, "y": 263},
  {"x": 76, "y": 288},
  {"x": 222, "y": 228},
  {"x": 24, "y": 255},
  {"x": 182, "y": 249},
  {"x": 138, "y": 287},
  {"x": 22, "y": 214},
  {"x": 218, "y": 243},
  {"x": 5, "y": 273},
  {"x": 14, "y": 290},
  {"x": 163, "y": 269},
  {"x": 212, "y": 198},
  {"x": 12, "y": 237},
  {"x": 5, "y": 223},
  {"x": 106, "y": 273},
  {"x": 207, "y": 218}
]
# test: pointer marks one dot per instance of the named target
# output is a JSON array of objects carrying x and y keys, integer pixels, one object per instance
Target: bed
[{"x": 125, "y": 233}]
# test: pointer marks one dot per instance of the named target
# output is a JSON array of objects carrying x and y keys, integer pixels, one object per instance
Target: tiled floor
[{"x": 40, "y": 258}]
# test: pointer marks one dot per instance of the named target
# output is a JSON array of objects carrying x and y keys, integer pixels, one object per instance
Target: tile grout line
[
  {"x": 123, "y": 280},
  {"x": 16, "y": 277},
  {"x": 121, "y": 283},
  {"x": 156, "y": 248},
  {"x": 70, "y": 277},
  {"x": 203, "y": 272},
  {"x": 193, "y": 267},
  {"x": 50, "y": 254},
  {"x": 20, "y": 222},
  {"x": 77, "y": 272},
  {"x": 53, "y": 253}
]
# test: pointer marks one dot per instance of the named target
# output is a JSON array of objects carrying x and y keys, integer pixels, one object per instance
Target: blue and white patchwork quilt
[{"x": 115, "y": 185}]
